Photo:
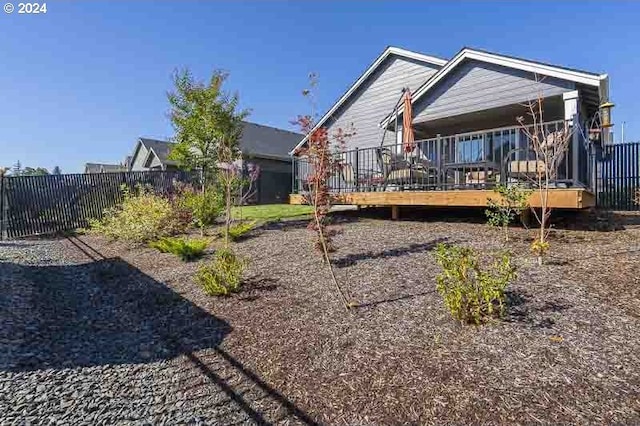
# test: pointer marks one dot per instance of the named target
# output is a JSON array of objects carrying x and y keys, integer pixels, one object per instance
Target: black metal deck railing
[{"x": 475, "y": 160}]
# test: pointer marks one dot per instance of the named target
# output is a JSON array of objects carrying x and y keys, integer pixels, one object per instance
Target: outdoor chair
[
  {"x": 348, "y": 176},
  {"x": 396, "y": 169},
  {"x": 527, "y": 168},
  {"x": 481, "y": 177}
]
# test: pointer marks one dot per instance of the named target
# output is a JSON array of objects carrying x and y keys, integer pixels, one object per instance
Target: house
[
  {"x": 104, "y": 168},
  {"x": 151, "y": 155},
  {"x": 265, "y": 146},
  {"x": 463, "y": 117}
]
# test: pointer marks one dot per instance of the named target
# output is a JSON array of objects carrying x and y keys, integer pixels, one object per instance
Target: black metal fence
[
  {"x": 32, "y": 205},
  {"x": 618, "y": 176}
]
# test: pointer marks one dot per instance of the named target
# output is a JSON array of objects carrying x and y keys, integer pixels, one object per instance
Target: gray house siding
[
  {"x": 375, "y": 99},
  {"x": 156, "y": 164},
  {"x": 139, "y": 158},
  {"x": 477, "y": 86}
]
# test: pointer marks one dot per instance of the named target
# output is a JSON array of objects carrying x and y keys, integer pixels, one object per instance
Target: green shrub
[
  {"x": 186, "y": 250},
  {"x": 540, "y": 249},
  {"x": 512, "y": 200},
  {"x": 205, "y": 207},
  {"x": 223, "y": 275},
  {"x": 143, "y": 216},
  {"x": 240, "y": 229},
  {"x": 471, "y": 293}
]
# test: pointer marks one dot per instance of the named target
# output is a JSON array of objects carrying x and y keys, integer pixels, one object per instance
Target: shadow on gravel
[
  {"x": 352, "y": 259},
  {"x": 106, "y": 313},
  {"x": 335, "y": 218},
  {"x": 519, "y": 309},
  {"x": 395, "y": 299},
  {"x": 99, "y": 313}
]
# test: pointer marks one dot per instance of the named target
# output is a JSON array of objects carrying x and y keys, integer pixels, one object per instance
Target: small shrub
[
  {"x": 512, "y": 200},
  {"x": 540, "y": 249},
  {"x": 205, "y": 207},
  {"x": 471, "y": 293},
  {"x": 186, "y": 250},
  {"x": 143, "y": 216},
  {"x": 223, "y": 275},
  {"x": 240, "y": 229}
]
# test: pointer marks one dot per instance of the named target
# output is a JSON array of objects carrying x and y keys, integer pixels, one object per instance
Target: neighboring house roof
[
  {"x": 160, "y": 149},
  {"x": 390, "y": 50},
  {"x": 103, "y": 168},
  {"x": 597, "y": 81},
  {"x": 257, "y": 141},
  {"x": 267, "y": 142}
]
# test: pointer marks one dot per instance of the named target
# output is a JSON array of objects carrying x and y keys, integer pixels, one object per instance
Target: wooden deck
[{"x": 571, "y": 198}]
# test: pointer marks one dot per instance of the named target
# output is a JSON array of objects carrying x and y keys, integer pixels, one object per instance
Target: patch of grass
[
  {"x": 240, "y": 229},
  {"x": 186, "y": 250},
  {"x": 271, "y": 212}
]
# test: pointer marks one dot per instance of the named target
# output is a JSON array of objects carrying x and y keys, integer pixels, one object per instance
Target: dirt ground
[{"x": 567, "y": 352}]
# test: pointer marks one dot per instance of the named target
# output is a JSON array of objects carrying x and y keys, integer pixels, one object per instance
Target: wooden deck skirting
[{"x": 571, "y": 198}]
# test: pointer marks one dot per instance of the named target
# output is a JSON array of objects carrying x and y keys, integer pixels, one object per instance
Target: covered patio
[{"x": 458, "y": 169}]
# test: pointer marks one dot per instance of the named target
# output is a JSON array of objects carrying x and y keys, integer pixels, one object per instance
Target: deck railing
[{"x": 474, "y": 160}]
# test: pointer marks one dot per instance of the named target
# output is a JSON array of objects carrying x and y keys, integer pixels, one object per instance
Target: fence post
[{"x": 2, "y": 215}]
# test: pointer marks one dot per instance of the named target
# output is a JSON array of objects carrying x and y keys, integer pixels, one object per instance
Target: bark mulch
[{"x": 286, "y": 351}]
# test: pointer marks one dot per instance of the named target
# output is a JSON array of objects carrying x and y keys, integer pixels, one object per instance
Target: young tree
[
  {"x": 550, "y": 147},
  {"x": 512, "y": 200},
  {"x": 208, "y": 127},
  {"x": 56, "y": 171},
  {"x": 322, "y": 152},
  {"x": 205, "y": 119}
]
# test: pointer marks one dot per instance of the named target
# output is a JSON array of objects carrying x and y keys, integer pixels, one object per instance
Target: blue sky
[{"x": 83, "y": 81}]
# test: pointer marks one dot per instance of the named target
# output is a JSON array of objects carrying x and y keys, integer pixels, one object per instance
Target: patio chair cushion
[
  {"x": 481, "y": 177},
  {"x": 389, "y": 161},
  {"x": 407, "y": 175},
  {"x": 527, "y": 167},
  {"x": 347, "y": 173}
]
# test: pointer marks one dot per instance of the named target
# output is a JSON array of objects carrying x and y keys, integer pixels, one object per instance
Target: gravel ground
[{"x": 101, "y": 333}]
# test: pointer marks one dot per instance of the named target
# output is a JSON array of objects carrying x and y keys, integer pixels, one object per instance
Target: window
[{"x": 470, "y": 148}]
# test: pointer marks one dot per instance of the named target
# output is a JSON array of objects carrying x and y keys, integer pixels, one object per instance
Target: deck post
[
  {"x": 572, "y": 118},
  {"x": 395, "y": 212},
  {"x": 356, "y": 180},
  {"x": 439, "y": 159}
]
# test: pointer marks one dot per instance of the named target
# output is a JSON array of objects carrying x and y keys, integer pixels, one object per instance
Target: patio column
[{"x": 572, "y": 118}]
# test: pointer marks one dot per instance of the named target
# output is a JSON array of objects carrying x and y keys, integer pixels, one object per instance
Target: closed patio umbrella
[{"x": 407, "y": 118}]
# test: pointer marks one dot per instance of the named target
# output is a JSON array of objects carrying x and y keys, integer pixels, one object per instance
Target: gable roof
[
  {"x": 103, "y": 168},
  {"x": 257, "y": 140},
  {"x": 598, "y": 81},
  {"x": 390, "y": 50},
  {"x": 267, "y": 142},
  {"x": 161, "y": 149}
]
